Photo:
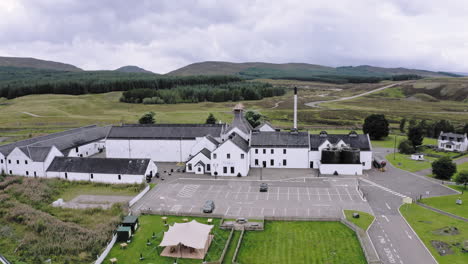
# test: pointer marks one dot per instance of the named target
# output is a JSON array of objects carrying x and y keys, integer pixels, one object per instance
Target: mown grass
[
  {"x": 301, "y": 243},
  {"x": 426, "y": 223},
  {"x": 389, "y": 142},
  {"x": 404, "y": 162},
  {"x": 364, "y": 220},
  {"x": 150, "y": 224},
  {"x": 447, "y": 203},
  {"x": 99, "y": 189},
  {"x": 232, "y": 248}
]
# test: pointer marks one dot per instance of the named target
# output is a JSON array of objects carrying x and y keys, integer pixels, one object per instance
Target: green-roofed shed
[
  {"x": 124, "y": 233},
  {"x": 131, "y": 221}
]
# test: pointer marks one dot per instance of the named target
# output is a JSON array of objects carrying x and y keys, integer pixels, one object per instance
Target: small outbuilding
[
  {"x": 131, "y": 221},
  {"x": 124, "y": 233},
  {"x": 417, "y": 156}
]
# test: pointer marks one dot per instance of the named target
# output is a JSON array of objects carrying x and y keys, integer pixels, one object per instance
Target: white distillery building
[
  {"x": 104, "y": 170},
  {"x": 453, "y": 142}
]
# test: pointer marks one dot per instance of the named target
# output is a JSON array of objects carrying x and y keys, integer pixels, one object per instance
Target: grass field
[
  {"x": 447, "y": 203},
  {"x": 301, "y": 243},
  {"x": 153, "y": 223},
  {"x": 404, "y": 162},
  {"x": 427, "y": 224},
  {"x": 389, "y": 142},
  {"x": 232, "y": 248},
  {"x": 364, "y": 220}
]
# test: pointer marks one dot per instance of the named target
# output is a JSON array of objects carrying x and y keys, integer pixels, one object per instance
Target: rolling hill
[
  {"x": 36, "y": 64},
  {"x": 132, "y": 68},
  {"x": 296, "y": 70}
]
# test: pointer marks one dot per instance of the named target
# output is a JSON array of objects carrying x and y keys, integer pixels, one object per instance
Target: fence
[
  {"x": 221, "y": 259},
  {"x": 173, "y": 213},
  {"x": 234, "y": 257},
  {"x": 138, "y": 197},
  {"x": 103, "y": 256},
  {"x": 366, "y": 244}
]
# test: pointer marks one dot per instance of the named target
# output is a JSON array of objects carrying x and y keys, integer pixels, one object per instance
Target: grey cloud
[{"x": 163, "y": 35}]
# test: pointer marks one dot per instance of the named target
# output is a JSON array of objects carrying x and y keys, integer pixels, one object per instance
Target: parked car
[
  {"x": 241, "y": 220},
  {"x": 263, "y": 187},
  {"x": 209, "y": 206}
]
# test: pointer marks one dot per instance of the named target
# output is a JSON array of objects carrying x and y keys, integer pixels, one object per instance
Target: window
[
  {"x": 232, "y": 170},
  {"x": 66, "y": 175},
  {"x": 9, "y": 161},
  {"x": 17, "y": 161},
  {"x": 199, "y": 169},
  {"x": 284, "y": 151},
  {"x": 228, "y": 156},
  {"x": 76, "y": 149},
  {"x": 1, "y": 161},
  {"x": 272, "y": 162},
  {"x": 214, "y": 156},
  {"x": 190, "y": 166},
  {"x": 284, "y": 162},
  {"x": 364, "y": 163},
  {"x": 11, "y": 172},
  {"x": 256, "y": 162},
  {"x": 26, "y": 162},
  {"x": 264, "y": 151},
  {"x": 224, "y": 170},
  {"x": 27, "y": 173},
  {"x": 208, "y": 167},
  {"x": 256, "y": 151},
  {"x": 92, "y": 176},
  {"x": 272, "y": 151},
  {"x": 35, "y": 174},
  {"x": 119, "y": 177},
  {"x": 242, "y": 156}
]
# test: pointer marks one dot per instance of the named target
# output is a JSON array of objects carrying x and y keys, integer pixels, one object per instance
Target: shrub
[
  {"x": 376, "y": 126},
  {"x": 443, "y": 168},
  {"x": 406, "y": 147}
]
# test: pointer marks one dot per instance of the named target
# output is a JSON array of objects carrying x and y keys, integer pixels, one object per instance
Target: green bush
[{"x": 443, "y": 168}]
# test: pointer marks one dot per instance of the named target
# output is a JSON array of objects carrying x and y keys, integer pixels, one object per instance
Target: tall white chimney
[{"x": 295, "y": 108}]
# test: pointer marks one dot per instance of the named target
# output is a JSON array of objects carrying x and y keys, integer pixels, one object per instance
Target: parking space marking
[
  {"x": 329, "y": 197},
  {"x": 349, "y": 194}
]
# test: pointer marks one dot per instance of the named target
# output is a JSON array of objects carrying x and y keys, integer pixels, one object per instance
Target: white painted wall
[
  {"x": 22, "y": 165},
  {"x": 295, "y": 157},
  {"x": 240, "y": 165},
  {"x": 315, "y": 157},
  {"x": 87, "y": 149},
  {"x": 366, "y": 159},
  {"x": 199, "y": 169},
  {"x": 342, "y": 169},
  {"x": 157, "y": 150},
  {"x": 267, "y": 128},
  {"x": 2, "y": 163},
  {"x": 195, "y": 160},
  {"x": 458, "y": 146},
  {"x": 200, "y": 144}
]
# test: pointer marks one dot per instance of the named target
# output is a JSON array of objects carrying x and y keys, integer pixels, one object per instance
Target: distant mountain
[
  {"x": 36, "y": 64},
  {"x": 131, "y": 68},
  {"x": 295, "y": 70}
]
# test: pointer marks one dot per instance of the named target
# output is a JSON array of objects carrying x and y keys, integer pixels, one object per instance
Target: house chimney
[{"x": 295, "y": 108}]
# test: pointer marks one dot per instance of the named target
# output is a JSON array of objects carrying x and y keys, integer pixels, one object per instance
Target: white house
[
  {"x": 199, "y": 163},
  {"x": 453, "y": 142},
  {"x": 279, "y": 149},
  {"x": 231, "y": 158},
  {"x": 161, "y": 142},
  {"x": 105, "y": 170},
  {"x": 31, "y": 157},
  {"x": 347, "y": 154}
]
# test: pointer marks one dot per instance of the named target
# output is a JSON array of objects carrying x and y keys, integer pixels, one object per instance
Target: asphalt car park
[{"x": 314, "y": 198}]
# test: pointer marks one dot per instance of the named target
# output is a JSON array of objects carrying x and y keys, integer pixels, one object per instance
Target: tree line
[
  {"x": 233, "y": 91},
  {"x": 16, "y": 82},
  {"x": 343, "y": 79}
]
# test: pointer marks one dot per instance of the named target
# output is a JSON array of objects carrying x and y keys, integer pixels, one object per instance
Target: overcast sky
[{"x": 162, "y": 35}]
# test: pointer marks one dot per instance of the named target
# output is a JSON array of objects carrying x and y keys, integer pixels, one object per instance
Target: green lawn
[
  {"x": 447, "y": 203},
  {"x": 364, "y": 220},
  {"x": 389, "y": 142},
  {"x": 232, "y": 248},
  {"x": 153, "y": 223},
  {"x": 426, "y": 223},
  {"x": 405, "y": 162},
  {"x": 301, "y": 243},
  {"x": 450, "y": 154},
  {"x": 73, "y": 189}
]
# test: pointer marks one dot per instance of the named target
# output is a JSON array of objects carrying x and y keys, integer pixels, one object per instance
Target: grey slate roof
[
  {"x": 99, "y": 165},
  {"x": 451, "y": 135},
  {"x": 6, "y": 149},
  {"x": 214, "y": 141},
  {"x": 165, "y": 131},
  {"x": 204, "y": 151},
  {"x": 240, "y": 142},
  {"x": 36, "y": 153},
  {"x": 240, "y": 122},
  {"x": 130, "y": 219},
  {"x": 358, "y": 141},
  {"x": 200, "y": 163},
  {"x": 280, "y": 139}
]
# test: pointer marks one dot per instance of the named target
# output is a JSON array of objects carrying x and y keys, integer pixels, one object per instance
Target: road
[{"x": 316, "y": 104}]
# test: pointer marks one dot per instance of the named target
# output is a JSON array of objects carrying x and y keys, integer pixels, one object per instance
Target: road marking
[
  {"x": 188, "y": 191},
  {"x": 409, "y": 236},
  {"x": 388, "y": 206},
  {"x": 329, "y": 197},
  {"x": 298, "y": 196},
  {"x": 288, "y": 193},
  {"x": 349, "y": 194},
  {"x": 247, "y": 197},
  {"x": 308, "y": 193},
  {"x": 384, "y": 216},
  {"x": 262, "y": 211},
  {"x": 384, "y": 188},
  {"x": 227, "y": 210},
  {"x": 277, "y": 194}
]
